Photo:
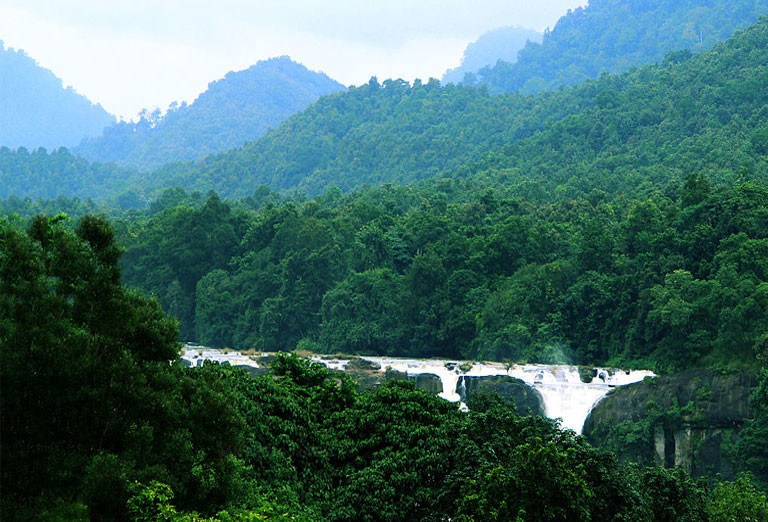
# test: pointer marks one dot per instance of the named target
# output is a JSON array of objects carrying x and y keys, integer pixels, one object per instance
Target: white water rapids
[{"x": 565, "y": 395}]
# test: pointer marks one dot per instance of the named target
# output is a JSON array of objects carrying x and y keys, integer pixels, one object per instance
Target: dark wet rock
[
  {"x": 266, "y": 360},
  {"x": 254, "y": 372},
  {"x": 362, "y": 364},
  {"x": 587, "y": 374},
  {"x": 368, "y": 379},
  {"x": 428, "y": 382},
  {"x": 525, "y": 399},
  {"x": 684, "y": 420}
]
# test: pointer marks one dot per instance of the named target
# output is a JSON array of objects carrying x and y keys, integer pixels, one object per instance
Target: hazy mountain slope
[
  {"x": 370, "y": 134},
  {"x": 398, "y": 134},
  {"x": 37, "y": 111},
  {"x": 615, "y": 35},
  {"x": 40, "y": 174},
  {"x": 239, "y": 108},
  {"x": 645, "y": 130},
  {"x": 691, "y": 113},
  {"x": 500, "y": 44}
]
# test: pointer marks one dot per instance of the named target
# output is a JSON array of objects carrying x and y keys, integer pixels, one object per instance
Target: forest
[
  {"x": 643, "y": 127},
  {"x": 614, "y": 36},
  {"x": 640, "y": 251},
  {"x": 619, "y": 220},
  {"x": 123, "y": 435},
  {"x": 664, "y": 282},
  {"x": 614, "y": 134}
]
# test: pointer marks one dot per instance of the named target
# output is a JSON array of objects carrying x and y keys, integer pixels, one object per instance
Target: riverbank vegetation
[{"x": 97, "y": 425}]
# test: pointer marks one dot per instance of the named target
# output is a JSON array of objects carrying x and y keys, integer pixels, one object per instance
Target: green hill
[
  {"x": 239, "y": 108},
  {"x": 37, "y": 111},
  {"x": 702, "y": 112},
  {"x": 615, "y": 35}
]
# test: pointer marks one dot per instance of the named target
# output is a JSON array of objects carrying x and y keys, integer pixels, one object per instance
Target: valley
[{"x": 534, "y": 290}]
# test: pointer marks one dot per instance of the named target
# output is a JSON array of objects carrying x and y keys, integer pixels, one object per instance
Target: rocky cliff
[{"x": 689, "y": 420}]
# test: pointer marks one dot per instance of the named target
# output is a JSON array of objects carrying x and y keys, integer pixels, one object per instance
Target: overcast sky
[{"x": 131, "y": 54}]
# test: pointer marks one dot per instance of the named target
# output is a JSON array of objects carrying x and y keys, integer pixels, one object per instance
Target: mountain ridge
[
  {"x": 36, "y": 110},
  {"x": 620, "y": 35},
  {"x": 397, "y": 133},
  {"x": 240, "y": 107}
]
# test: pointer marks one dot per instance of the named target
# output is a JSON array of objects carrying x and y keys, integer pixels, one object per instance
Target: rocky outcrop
[
  {"x": 524, "y": 399},
  {"x": 254, "y": 372},
  {"x": 368, "y": 375},
  {"x": 428, "y": 382},
  {"x": 684, "y": 420}
]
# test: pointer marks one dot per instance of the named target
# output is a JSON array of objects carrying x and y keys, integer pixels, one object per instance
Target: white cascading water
[
  {"x": 195, "y": 355},
  {"x": 565, "y": 396}
]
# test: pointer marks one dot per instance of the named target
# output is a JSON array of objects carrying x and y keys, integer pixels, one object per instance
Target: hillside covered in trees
[
  {"x": 632, "y": 232},
  {"x": 236, "y": 109},
  {"x": 123, "y": 435},
  {"x": 37, "y": 111},
  {"x": 668, "y": 281},
  {"x": 620, "y": 222},
  {"x": 615, "y": 35},
  {"x": 38, "y": 173},
  {"x": 398, "y": 133},
  {"x": 700, "y": 112}
]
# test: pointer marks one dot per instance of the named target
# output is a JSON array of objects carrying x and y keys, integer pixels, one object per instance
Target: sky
[{"x": 134, "y": 54}]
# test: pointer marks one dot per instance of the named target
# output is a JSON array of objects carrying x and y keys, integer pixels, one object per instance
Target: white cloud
[{"x": 146, "y": 53}]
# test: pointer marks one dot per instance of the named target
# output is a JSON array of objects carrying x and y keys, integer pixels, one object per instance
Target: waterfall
[
  {"x": 565, "y": 395},
  {"x": 461, "y": 389},
  {"x": 195, "y": 355}
]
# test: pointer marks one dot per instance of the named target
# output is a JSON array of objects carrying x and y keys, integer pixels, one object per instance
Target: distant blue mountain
[
  {"x": 500, "y": 44},
  {"x": 37, "y": 111},
  {"x": 240, "y": 107},
  {"x": 614, "y": 36}
]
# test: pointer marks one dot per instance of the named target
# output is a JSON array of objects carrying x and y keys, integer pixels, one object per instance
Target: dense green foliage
[
  {"x": 667, "y": 281},
  {"x": 97, "y": 425},
  {"x": 500, "y": 44},
  {"x": 752, "y": 450},
  {"x": 370, "y": 134},
  {"x": 615, "y": 35},
  {"x": 624, "y": 221},
  {"x": 692, "y": 113},
  {"x": 37, "y": 111},
  {"x": 239, "y": 108},
  {"x": 40, "y": 174}
]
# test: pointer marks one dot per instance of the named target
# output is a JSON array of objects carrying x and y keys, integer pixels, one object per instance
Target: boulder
[
  {"x": 523, "y": 398},
  {"x": 587, "y": 374},
  {"x": 369, "y": 378},
  {"x": 428, "y": 382},
  {"x": 253, "y": 372},
  {"x": 362, "y": 364}
]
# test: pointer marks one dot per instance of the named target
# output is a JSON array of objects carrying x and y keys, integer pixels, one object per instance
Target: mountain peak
[
  {"x": 36, "y": 110},
  {"x": 240, "y": 107}
]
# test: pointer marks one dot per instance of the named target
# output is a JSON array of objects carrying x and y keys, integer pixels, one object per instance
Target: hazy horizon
[{"x": 132, "y": 55}]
